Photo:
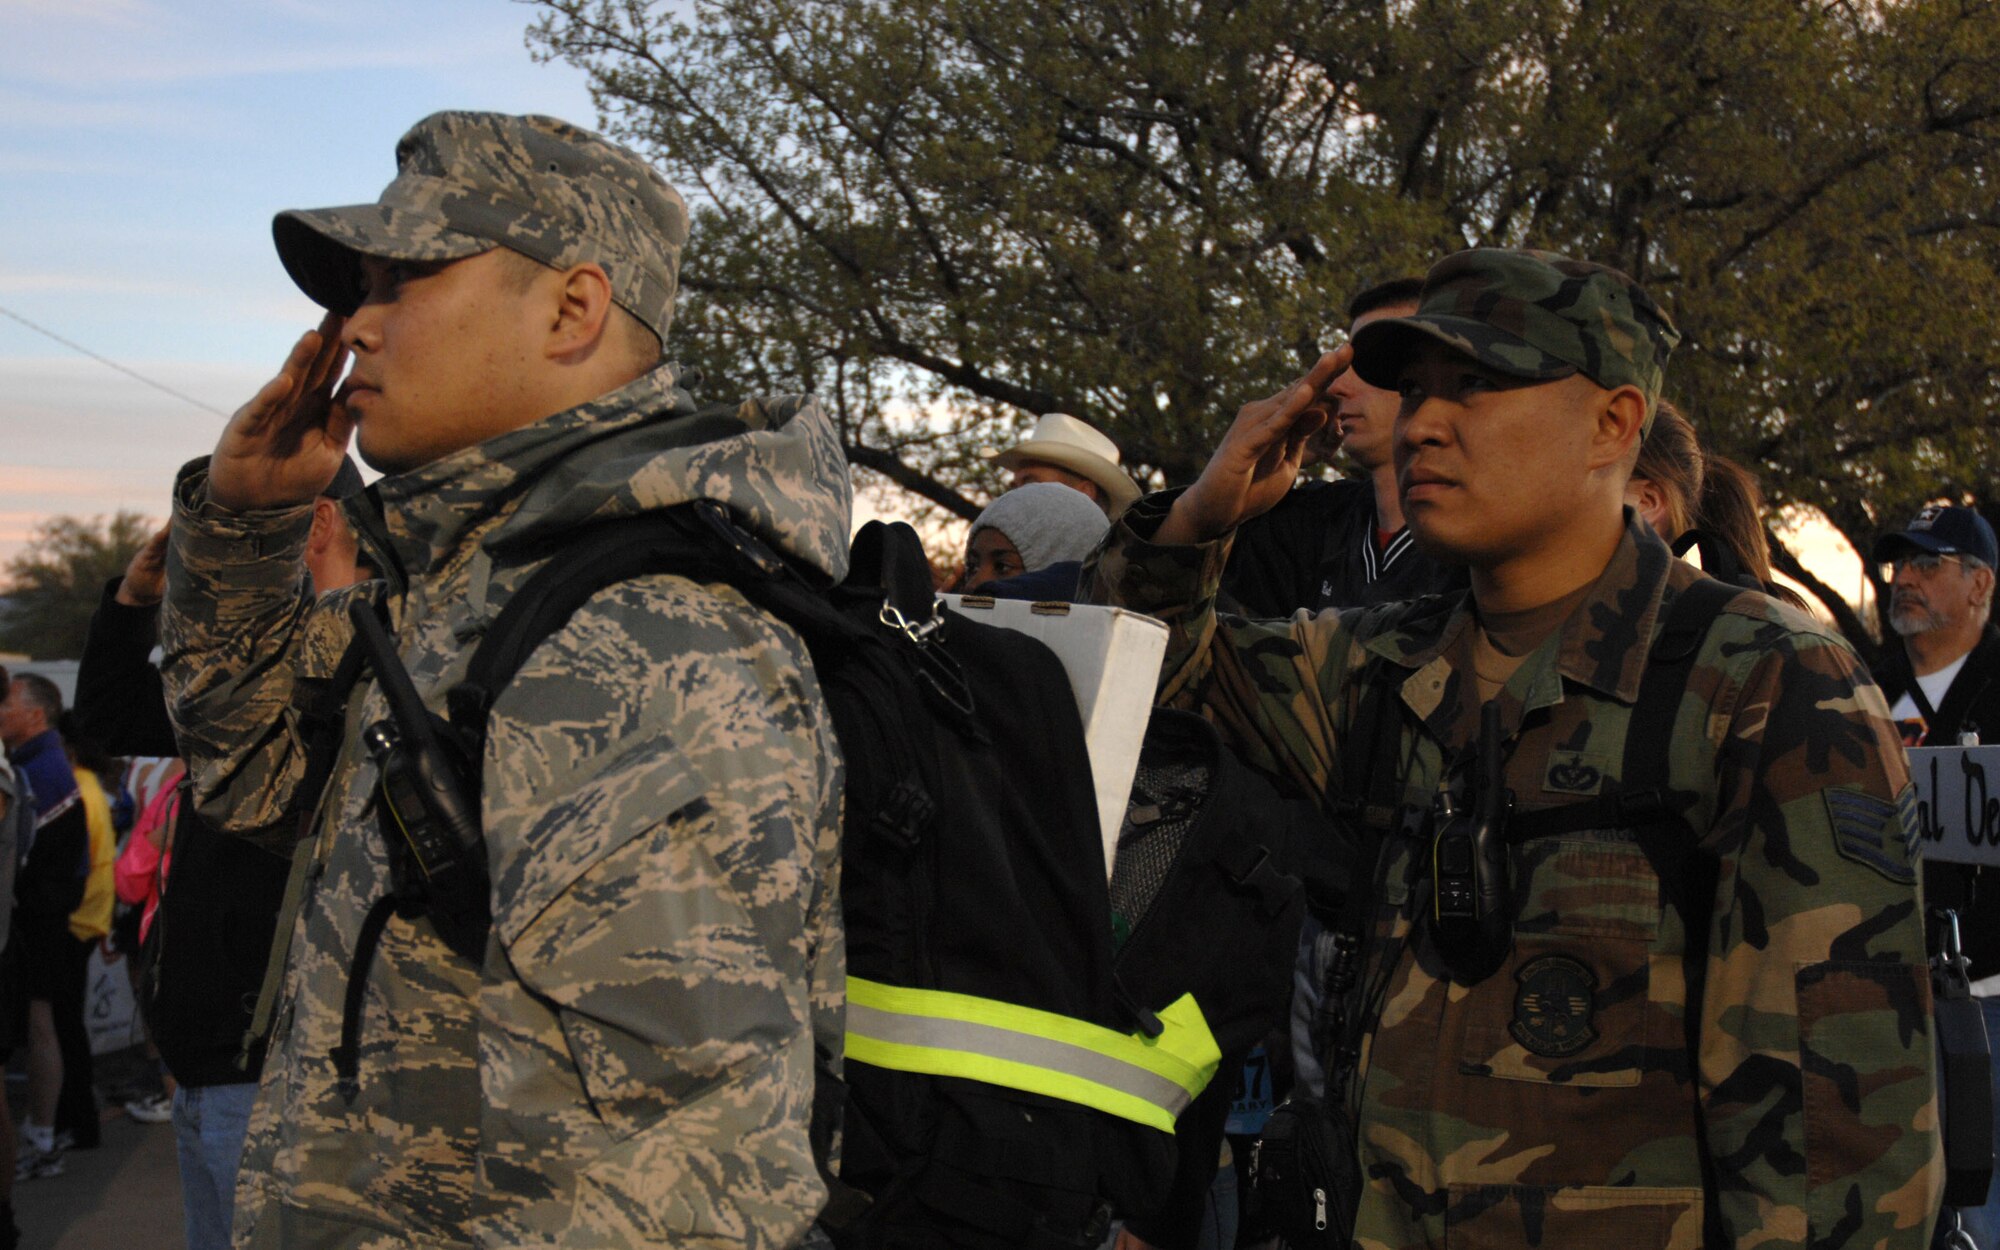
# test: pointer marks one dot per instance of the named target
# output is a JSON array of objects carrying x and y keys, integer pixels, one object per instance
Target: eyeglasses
[{"x": 1925, "y": 562}]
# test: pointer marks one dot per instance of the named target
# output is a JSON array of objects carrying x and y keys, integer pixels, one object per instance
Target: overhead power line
[{"x": 134, "y": 374}]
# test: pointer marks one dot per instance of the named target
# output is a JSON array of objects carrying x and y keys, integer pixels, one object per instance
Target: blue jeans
[
  {"x": 1984, "y": 1222},
  {"x": 209, "y": 1124},
  {"x": 1219, "y": 1214}
]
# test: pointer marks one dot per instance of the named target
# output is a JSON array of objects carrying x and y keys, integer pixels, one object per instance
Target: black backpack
[{"x": 1209, "y": 885}]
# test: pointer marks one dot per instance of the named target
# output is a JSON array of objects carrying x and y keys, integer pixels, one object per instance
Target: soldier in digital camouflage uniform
[
  {"x": 1485, "y": 1118},
  {"x": 631, "y": 1063}
]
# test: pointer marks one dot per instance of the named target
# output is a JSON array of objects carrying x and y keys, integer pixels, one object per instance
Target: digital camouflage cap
[
  {"x": 466, "y": 182},
  {"x": 1530, "y": 315}
]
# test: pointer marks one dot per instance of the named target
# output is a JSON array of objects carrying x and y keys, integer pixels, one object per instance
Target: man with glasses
[
  {"x": 1944, "y": 681},
  {"x": 1943, "y": 687}
]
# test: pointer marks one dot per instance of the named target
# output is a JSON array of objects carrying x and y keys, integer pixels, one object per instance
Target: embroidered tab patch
[
  {"x": 1870, "y": 830},
  {"x": 1571, "y": 772},
  {"x": 1554, "y": 1006}
]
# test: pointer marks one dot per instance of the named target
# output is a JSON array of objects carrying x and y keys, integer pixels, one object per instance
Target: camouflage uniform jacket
[
  {"x": 1813, "y": 1077},
  {"x": 633, "y": 1063}
]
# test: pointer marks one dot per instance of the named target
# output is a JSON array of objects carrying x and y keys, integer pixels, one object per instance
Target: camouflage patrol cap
[
  {"x": 467, "y": 181},
  {"x": 1530, "y": 315}
]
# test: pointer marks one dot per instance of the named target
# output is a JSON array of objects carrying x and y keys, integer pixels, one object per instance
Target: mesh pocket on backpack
[{"x": 1166, "y": 799}]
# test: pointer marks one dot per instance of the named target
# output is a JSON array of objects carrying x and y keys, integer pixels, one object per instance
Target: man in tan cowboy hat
[{"x": 1071, "y": 453}]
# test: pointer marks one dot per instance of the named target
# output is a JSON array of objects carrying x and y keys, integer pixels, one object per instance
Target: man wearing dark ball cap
[{"x": 1678, "y": 995}]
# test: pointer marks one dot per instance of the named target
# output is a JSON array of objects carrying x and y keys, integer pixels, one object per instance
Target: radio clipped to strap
[{"x": 1149, "y": 1081}]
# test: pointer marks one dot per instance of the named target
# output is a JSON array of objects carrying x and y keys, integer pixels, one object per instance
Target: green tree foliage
[
  {"x": 946, "y": 216},
  {"x": 55, "y": 583}
]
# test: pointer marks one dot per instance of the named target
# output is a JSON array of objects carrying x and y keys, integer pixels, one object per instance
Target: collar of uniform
[
  {"x": 428, "y": 512},
  {"x": 1603, "y": 643}
]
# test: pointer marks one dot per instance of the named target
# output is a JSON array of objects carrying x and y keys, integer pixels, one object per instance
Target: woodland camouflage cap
[
  {"x": 468, "y": 181},
  {"x": 1531, "y": 315}
]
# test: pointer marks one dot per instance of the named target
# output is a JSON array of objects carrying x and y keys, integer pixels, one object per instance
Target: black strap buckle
[{"x": 1253, "y": 868}]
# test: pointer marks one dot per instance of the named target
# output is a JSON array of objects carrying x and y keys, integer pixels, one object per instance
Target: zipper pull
[{"x": 1319, "y": 1209}]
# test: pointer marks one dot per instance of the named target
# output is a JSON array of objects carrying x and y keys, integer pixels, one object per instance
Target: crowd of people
[{"x": 1616, "y": 932}]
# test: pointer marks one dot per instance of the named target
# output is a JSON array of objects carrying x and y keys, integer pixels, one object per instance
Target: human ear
[
  {"x": 582, "y": 310},
  {"x": 326, "y": 516},
  {"x": 1649, "y": 501},
  {"x": 1621, "y": 416}
]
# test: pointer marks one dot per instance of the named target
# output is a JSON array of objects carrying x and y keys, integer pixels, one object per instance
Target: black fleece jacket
[{"x": 211, "y": 938}]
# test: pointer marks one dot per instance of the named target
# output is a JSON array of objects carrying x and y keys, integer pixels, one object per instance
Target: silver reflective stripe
[{"x": 934, "y": 1033}]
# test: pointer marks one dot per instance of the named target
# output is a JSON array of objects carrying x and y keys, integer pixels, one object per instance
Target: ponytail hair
[
  {"x": 1711, "y": 501},
  {"x": 1732, "y": 509},
  {"x": 1732, "y": 513}
]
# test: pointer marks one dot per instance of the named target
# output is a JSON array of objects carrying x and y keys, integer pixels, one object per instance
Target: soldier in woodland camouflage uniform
[
  {"x": 1485, "y": 1118},
  {"x": 632, "y": 1061}
]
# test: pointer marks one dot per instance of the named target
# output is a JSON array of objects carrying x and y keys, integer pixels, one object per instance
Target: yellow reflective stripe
[
  {"x": 1185, "y": 1053},
  {"x": 1146, "y": 1080},
  {"x": 1008, "y": 1074}
]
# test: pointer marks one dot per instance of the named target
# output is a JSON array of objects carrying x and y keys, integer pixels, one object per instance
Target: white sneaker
[
  {"x": 152, "y": 1109},
  {"x": 35, "y": 1165}
]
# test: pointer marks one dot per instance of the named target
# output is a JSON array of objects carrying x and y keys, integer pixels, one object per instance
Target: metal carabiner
[
  {"x": 1958, "y": 1238},
  {"x": 917, "y": 632}
]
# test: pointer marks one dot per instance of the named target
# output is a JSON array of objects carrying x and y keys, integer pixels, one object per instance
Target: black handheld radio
[
  {"x": 428, "y": 816},
  {"x": 1471, "y": 912}
]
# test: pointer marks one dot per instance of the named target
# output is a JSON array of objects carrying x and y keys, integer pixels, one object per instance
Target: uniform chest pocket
[
  {"x": 1573, "y": 1005},
  {"x": 1600, "y": 887}
]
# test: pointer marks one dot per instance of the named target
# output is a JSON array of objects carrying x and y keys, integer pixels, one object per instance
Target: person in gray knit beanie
[{"x": 1029, "y": 528}]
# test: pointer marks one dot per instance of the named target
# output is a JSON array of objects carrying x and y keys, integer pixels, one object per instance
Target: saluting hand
[
  {"x": 1258, "y": 459},
  {"x": 283, "y": 448},
  {"x": 145, "y": 580}
]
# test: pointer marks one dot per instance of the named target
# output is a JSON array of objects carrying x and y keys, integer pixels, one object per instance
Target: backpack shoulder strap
[
  {"x": 1717, "y": 560},
  {"x": 1665, "y": 681},
  {"x": 322, "y": 707},
  {"x": 696, "y": 539},
  {"x": 1645, "y": 773},
  {"x": 1371, "y": 753},
  {"x": 1643, "y": 798}
]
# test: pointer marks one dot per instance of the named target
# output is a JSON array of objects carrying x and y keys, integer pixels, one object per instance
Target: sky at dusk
[{"x": 150, "y": 144}]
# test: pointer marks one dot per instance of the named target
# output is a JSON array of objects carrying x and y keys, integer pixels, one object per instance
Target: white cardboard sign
[
  {"x": 1958, "y": 803},
  {"x": 1113, "y": 659}
]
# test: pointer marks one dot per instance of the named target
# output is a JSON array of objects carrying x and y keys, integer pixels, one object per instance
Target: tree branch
[
  {"x": 912, "y": 480},
  {"x": 1844, "y": 616}
]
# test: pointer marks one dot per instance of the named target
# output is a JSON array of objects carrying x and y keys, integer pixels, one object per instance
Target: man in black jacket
[
  {"x": 1943, "y": 687},
  {"x": 211, "y": 939},
  {"x": 1341, "y": 544}
]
